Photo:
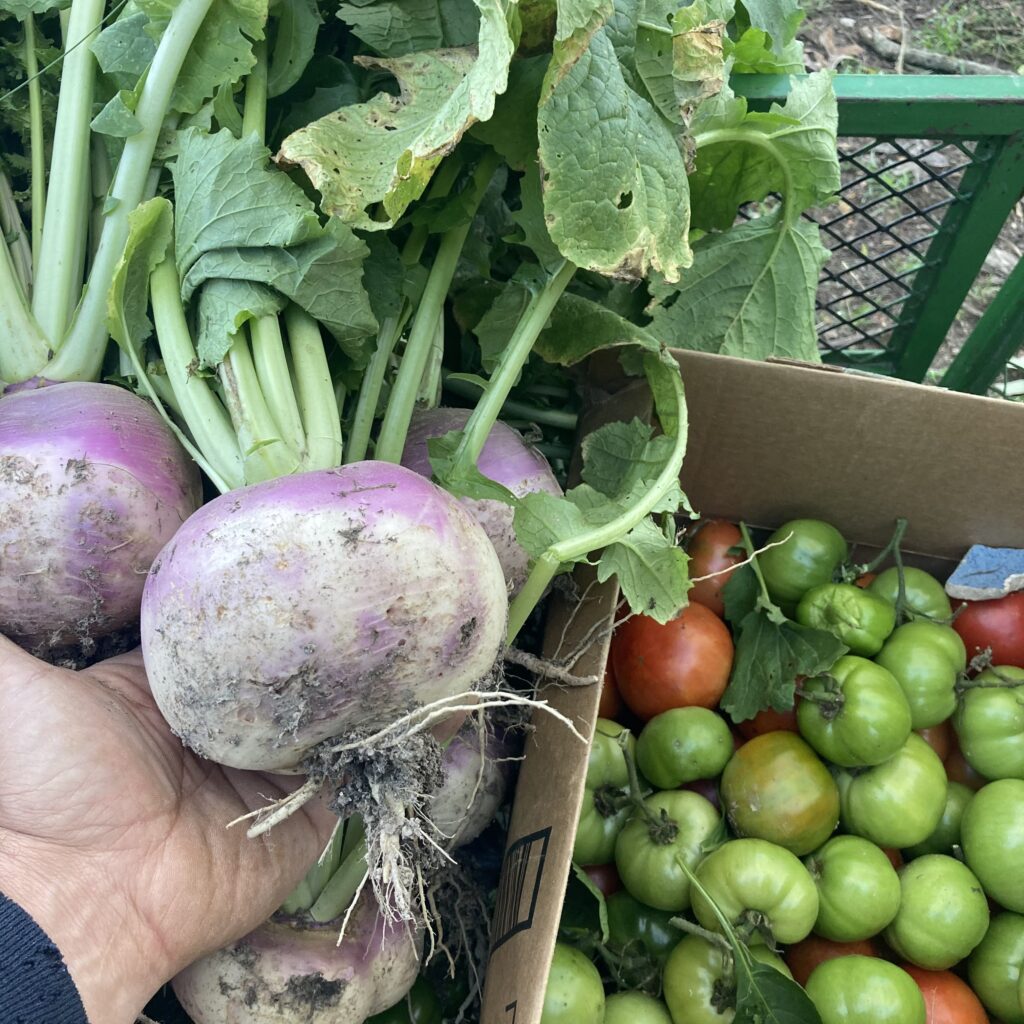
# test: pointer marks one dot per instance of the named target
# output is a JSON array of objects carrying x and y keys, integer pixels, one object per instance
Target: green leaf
[
  {"x": 790, "y": 149},
  {"x": 769, "y": 657},
  {"x": 222, "y": 50},
  {"x": 542, "y": 520},
  {"x": 470, "y": 484},
  {"x": 149, "y": 234},
  {"x": 240, "y": 221},
  {"x": 22, "y": 9},
  {"x": 752, "y": 54},
  {"x": 679, "y": 54},
  {"x": 750, "y": 293},
  {"x": 383, "y": 276},
  {"x": 224, "y": 307},
  {"x": 740, "y": 594},
  {"x": 579, "y": 327},
  {"x": 618, "y": 455},
  {"x": 117, "y": 119},
  {"x": 765, "y": 995},
  {"x": 615, "y": 188},
  {"x": 386, "y": 150},
  {"x": 779, "y": 18},
  {"x": 225, "y": 109},
  {"x": 529, "y": 219},
  {"x": 580, "y": 15},
  {"x": 124, "y": 50},
  {"x": 651, "y": 570},
  {"x": 394, "y": 28},
  {"x": 297, "y": 24},
  {"x": 584, "y": 917},
  {"x": 662, "y": 373},
  {"x": 512, "y": 129}
]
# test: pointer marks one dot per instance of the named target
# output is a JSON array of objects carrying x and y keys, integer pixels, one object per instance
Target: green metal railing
[{"x": 931, "y": 169}]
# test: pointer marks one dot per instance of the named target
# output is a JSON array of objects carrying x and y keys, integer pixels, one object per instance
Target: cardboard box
[{"x": 767, "y": 442}]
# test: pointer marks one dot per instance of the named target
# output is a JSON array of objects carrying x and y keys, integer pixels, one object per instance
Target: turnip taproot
[
  {"x": 316, "y": 606},
  {"x": 507, "y": 459},
  {"x": 293, "y": 971},
  {"x": 92, "y": 485}
]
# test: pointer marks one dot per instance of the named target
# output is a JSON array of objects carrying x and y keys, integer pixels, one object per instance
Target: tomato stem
[
  {"x": 692, "y": 928},
  {"x": 661, "y": 828},
  {"x": 772, "y": 610}
]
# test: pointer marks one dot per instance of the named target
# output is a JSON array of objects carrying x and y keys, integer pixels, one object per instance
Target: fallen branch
[{"x": 925, "y": 58}]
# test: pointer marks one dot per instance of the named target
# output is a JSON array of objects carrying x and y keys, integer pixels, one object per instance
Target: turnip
[
  {"x": 92, "y": 486},
  {"x": 505, "y": 458},
  {"x": 293, "y": 971},
  {"x": 318, "y": 606}
]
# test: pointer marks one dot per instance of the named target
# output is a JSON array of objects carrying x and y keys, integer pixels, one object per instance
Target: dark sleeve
[{"x": 35, "y": 987}]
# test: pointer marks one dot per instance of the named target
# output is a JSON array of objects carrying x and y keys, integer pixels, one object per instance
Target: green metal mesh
[{"x": 894, "y": 196}]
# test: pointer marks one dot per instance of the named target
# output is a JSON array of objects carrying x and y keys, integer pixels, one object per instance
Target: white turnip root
[
  {"x": 92, "y": 485},
  {"x": 318, "y": 606},
  {"x": 507, "y": 459},
  {"x": 292, "y": 971},
  {"x": 475, "y": 774}
]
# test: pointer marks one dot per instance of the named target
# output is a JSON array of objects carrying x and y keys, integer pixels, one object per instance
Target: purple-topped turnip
[
  {"x": 318, "y": 606},
  {"x": 92, "y": 485},
  {"x": 507, "y": 459},
  {"x": 293, "y": 970}
]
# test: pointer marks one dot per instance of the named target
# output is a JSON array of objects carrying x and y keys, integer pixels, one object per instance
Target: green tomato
[
  {"x": 635, "y": 928},
  {"x": 865, "y": 723},
  {"x": 992, "y": 837},
  {"x": 947, "y": 832},
  {"x": 635, "y": 1008},
  {"x": 923, "y": 594},
  {"x": 699, "y": 981},
  {"x": 865, "y": 990},
  {"x": 574, "y": 993},
  {"x": 419, "y": 1005},
  {"x": 926, "y": 658},
  {"x": 605, "y": 808},
  {"x": 651, "y": 845},
  {"x": 860, "y": 619},
  {"x": 896, "y": 803},
  {"x": 994, "y": 968},
  {"x": 776, "y": 788},
  {"x": 756, "y": 883},
  {"x": 943, "y": 913},
  {"x": 858, "y": 889},
  {"x": 809, "y": 553},
  {"x": 682, "y": 745},
  {"x": 990, "y": 724}
]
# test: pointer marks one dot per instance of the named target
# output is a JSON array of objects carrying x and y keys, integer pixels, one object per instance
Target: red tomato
[
  {"x": 894, "y": 855},
  {"x": 605, "y": 877},
  {"x": 997, "y": 624},
  {"x": 802, "y": 958},
  {"x": 768, "y": 721},
  {"x": 611, "y": 702},
  {"x": 958, "y": 770},
  {"x": 939, "y": 738},
  {"x": 865, "y": 580},
  {"x": 947, "y": 999},
  {"x": 707, "y": 788},
  {"x": 683, "y": 663},
  {"x": 709, "y": 551}
]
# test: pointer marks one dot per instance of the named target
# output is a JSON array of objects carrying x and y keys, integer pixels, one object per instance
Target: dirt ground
[{"x": 895, "y": 193}]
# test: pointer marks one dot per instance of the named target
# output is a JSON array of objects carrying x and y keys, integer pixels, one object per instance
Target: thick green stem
[
  {"x": 429, "y": 393},
  {"x": 200, "y": 408},
  {"x": 342, "y": 888},
  {"x": 81, "y": 355},
  {"x": 569, "y": 551},
  {"x": 12, "y": 230},
  {"x": 890, "y": 549},
  {"x": 407, "y": 382},
  {"x": 321, "y": 419},
  {"x": 65, "y": 229},
  {"x": 512, "y": 408},
  {"x": 309, "y": 889},
  {"x": 23, "y": 347},
  {"x": 38, "y": 140},
  {"x": 267, "y": 455},
  {"x": 510, "y": 364},
  {"x": 254, "y": 113},
  {"x": 275, "y": 380}
]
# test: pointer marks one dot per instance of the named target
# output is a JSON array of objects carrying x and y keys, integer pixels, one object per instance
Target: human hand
[{"x": 113, "y": 837}]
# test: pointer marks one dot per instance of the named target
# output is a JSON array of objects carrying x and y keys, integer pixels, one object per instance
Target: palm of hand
[{"x": 100, "y": 802}]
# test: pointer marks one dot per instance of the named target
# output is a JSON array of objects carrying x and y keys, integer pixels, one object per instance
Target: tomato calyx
[
  {"x": 609, "y": 800},
  {"x": 830, "y": 701}
]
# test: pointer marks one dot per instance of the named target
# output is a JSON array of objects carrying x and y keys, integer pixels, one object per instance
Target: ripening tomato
[
  {"x": 947, "y": 999},
  {"x": 998, "y": 624},
  {"x": 939, "y": 738},
  {"x": 768, "y": 720},
  {"x": 803, "y": 957},
  {"x": 683, "y": 663},
  {"x": 714, "y": 549},
  {"x": 604, "y": 877}
]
